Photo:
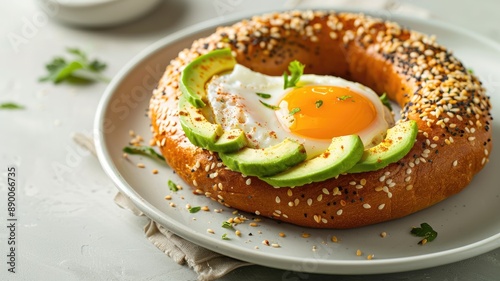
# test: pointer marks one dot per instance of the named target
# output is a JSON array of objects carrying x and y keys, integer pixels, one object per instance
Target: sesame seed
[
  {"x": 172, "y": 204},
  {"x": 253, "y": 224},
  {"x": 320, "y": 197},
  {"x": 168, "y": 197},
  {"x": 325, "y": 191},
  {"x": 409, "y": 187},
  {"x": 305, "y": 235},
  {"x": 358, "y": 252},
  {"x": 334, "y": 239},
  {"x": 455, "y": 163},
  {"x": 275, "y": 245},
  {"x": 278, "y": 200},
  {"x": 248, "y": 181},
  {"x": 257, "y": 213},
  {"x": 383, "y": 234},
  {"x": 141, "y": 165},
  {"x": 370, "y": 257},
  {"x": 282, "y": 234},
  {"x": 366, "y": 206},
  {"x": 237, "y": 232},
  {"x": 339, "y": 212},
  {"x": 309, "y": 201},
  {"x": 381, "y": 206}
]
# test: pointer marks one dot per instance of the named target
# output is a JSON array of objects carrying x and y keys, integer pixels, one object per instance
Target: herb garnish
[
  {"x": 224, "y": 237},
  {"x": 425, "y": 231},
  {"x": 294, "y": 110},
  {"x": 78, "y": 70},
  {"x": 172, "y": 186},
  {"x": 227, "y": 225},
  {"x": 11, "y": 105},
  {"x": 296, "y": 70},
  {"x": 344, "y": 97},
  {"x": 319, "y": 103},
  {"x": 385, "y": 101},
  {"x": 263, "y": 95},
  {"x": 144, "y": 150},
  {"x": 273, "y": 107},
  {"x": 194, "y": 209}
]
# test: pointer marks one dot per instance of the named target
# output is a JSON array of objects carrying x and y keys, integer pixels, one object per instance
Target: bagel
[{"x": 432, "y": 87}]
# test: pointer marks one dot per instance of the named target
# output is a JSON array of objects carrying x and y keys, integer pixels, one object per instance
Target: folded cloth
[{"x": 207, "y": 264}]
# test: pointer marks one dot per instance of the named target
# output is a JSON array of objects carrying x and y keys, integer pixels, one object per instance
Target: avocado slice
[
  {"x": 343, "y": 153},
  {"x": 202, "y": 133},
  {"x": 267, "y": 161},
  {"x": 398, "y": 142},
  {"x": 196, "y": 74}
]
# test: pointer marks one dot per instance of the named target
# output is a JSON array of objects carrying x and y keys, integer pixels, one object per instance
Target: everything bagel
[{"x": 432, "y": 87}]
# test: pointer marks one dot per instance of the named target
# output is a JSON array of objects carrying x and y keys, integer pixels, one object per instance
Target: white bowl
[{"x": 97, "y": 13}]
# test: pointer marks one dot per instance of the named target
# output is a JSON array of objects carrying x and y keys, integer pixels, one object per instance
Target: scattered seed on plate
[
  {"x": 168, "y": 197},
  {"x": 155, "y": 171},
  {"x": 358, "y": 252},
  {"x": 305, "y": 235},
  {"x": 334, "y": 239},
  {"x": 282, "y": 234},
  {"x": 141, "y": 165},
  {"x": 211, "y": 231},
  {"x": 265, "y": 242},
  {"x": 370, "y": 256},
  {"x": 253, "y": 224},
  {"x": 275, "y": 245},
  {"x": 383, "y": 234},
  {"x": 237, "y": 232}
]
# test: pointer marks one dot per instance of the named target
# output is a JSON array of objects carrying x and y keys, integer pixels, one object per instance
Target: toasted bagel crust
[{"x": 427, "y": 81}]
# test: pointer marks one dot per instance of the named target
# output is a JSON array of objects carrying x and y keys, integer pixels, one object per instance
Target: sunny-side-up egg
[{"x": 316, "y": 110}]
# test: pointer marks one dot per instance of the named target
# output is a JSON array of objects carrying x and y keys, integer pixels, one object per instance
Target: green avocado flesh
[
  {"x": 267, "y": 161},
  {"x": 398, "y": 142},
  {"x": 204, "y": 134},
  {"x": 343, "y": 153},
  {"x": 197, "y": 73}
]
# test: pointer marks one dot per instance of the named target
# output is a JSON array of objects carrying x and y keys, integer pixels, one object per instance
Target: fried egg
[{"x": 318, "y": 109}]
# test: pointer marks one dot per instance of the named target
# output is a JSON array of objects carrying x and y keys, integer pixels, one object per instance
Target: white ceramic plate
[{"x": 468, "y": 223}]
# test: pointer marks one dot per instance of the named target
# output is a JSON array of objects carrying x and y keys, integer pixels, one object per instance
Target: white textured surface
[{"x": 69, "y": 227}]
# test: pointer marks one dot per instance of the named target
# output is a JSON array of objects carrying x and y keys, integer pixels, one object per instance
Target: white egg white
[{"x": 236, "y": 104}]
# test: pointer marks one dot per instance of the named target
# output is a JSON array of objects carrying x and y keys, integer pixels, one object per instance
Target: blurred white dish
[{"x": 97, "y": 13}]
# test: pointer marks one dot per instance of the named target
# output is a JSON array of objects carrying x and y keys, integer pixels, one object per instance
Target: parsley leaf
[
  {"x": 319, "y": 103},
  {"x": 273, "y": 107},
  {"x": 385, "y": 101},
  {"x": 425, "y": 231},
  {"x": 227, "y": 225},
  {"x": 144, "y": 150},
  {"x": 296, "y": 70},
  {"x": 344, "y": 97},
  {"x": 263, "y": 95},
  {"x": 78, "y": 70},
  {"x": 294, "y": 110},
  {"x": 10, "y": 105},
  {"x": 172, "y": 186},
  {"x": 194, "y": 209},
  {"x": 224, "y": 237}
]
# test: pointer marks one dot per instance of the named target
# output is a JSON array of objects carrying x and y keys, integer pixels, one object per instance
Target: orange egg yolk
[{"x": 324, "y": 112}]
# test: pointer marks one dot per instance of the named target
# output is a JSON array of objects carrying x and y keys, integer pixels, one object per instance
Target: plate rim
[{"x": 265, "y": 259}]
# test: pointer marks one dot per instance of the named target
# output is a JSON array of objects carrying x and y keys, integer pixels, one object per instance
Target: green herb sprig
[
  {"x": 172, "y": 186},
  {"x": 270, "y": 106},
  {"x": 78, "y": 70},
  {"x": 11, "y": 106},
  {"x": 195, "y": 209},
  {"x": 143, "y": 150},
  {"x": 385, "y": 101},
  {"x": 425, "y": 231},
  {"x": 296, "y": 70}
]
